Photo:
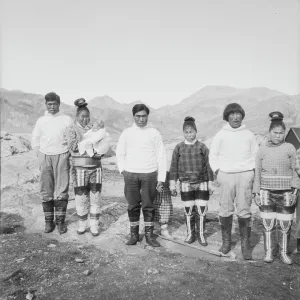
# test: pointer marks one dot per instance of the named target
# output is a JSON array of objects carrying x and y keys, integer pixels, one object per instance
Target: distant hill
[{"x": 19, "y": 110}]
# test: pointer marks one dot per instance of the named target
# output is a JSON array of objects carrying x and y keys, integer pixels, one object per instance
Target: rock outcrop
[{"x": 12, "y": 144}]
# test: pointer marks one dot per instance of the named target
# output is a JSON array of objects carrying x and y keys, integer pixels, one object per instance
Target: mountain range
[{"x": 20, "y": 110}]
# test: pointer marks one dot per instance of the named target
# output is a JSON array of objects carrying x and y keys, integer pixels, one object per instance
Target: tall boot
[
  {"x": 149, "y": 226},
  {"x": 269, "y": 239},
  {"x": 95, "y": 198},
  {"x": 226, "y": 227},
  {"x": 48, "y": 208},
  {"x": 134, "y": 218},
  {"x": 82, "y": 224},
  {"x": 82, "y": 205},
  {"x": 189, "y": 212},
  {"x": 60, "y": 215},
  {"x": 245, "y": 233},
  {"x": 200, "y": 219},
  {"x": 284, "y": 232}
]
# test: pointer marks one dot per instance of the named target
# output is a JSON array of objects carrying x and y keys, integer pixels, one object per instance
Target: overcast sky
[{"x": 157, "y": 51}]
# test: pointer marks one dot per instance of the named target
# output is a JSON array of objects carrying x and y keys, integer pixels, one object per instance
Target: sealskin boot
[
  {"x": 226, "y": 227},
  {"x": 149, "y": 236},
  {"x": 284, "y": 233},
  {"x": 134, "y": 234},
  {"x": 245, "y": 233},
  {"x": 200, "y": 220},
  {"x": 60, "y": 215},
  {"x": 134, "y": 218},
  {"x": 189, "y": 213},
  {"x": 48, "y": 208},
  {"x": 269, "y": 239}
]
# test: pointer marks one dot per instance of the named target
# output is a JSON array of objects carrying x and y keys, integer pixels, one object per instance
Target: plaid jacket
[
  {"x": 190, "y": 163},
  {"x": 275, "y": 168}
]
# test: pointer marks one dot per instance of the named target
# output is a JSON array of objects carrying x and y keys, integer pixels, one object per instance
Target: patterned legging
[{"x": 88, "y": 185}]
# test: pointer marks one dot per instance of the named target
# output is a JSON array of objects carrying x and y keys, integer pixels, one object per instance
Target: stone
[{"x": 87, "y": 272}]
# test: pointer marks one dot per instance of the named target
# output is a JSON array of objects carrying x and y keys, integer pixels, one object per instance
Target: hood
[{"x": 229, "y": 128}]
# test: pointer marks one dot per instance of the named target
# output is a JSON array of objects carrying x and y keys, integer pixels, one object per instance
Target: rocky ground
[{"x": 52, "y": 266}]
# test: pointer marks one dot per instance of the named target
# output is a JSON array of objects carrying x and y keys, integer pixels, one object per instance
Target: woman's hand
[
  {"x": 210, "y": 188},
  {"x": 256, "y": 198},
  {"x": 294, "y": 197}
]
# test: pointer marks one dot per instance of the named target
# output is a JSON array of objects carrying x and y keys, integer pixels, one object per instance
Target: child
[
  {"x": 164, "y": 208},
  {"x": 96, "y": 140},
  {"x": 190, "y": 165}
]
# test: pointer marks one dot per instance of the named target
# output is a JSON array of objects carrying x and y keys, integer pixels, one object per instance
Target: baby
[{"x": 96, "y": 140}]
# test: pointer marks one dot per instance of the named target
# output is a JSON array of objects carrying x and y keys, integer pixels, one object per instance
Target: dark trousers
[{"x": 140, "y": 191}]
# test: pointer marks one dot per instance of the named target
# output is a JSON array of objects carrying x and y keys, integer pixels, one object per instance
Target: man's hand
[
  {"x": 174, "y": 192},
  {"x": 160, "y": 186},
  {"x": 36, "y": 151},
  {"x": 210, "y": 188},
  {"x": 256, "y": 198}
]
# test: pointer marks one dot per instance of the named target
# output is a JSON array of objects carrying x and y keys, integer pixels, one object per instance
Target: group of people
[{"x": 269, "y": 175}]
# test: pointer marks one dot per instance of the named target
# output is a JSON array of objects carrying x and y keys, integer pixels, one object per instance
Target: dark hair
[
  {"x": 233, "y": 108},
  {"x": 140, "y": 107},
  {"x": 276, "y": 120},
  {"x": 52, "y": 97},
  {"x": 82, "y": 106},
  {"x": 189, "y": 121}
]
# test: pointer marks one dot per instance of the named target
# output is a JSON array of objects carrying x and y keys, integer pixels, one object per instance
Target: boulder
[{"x": 12, "y": 144}]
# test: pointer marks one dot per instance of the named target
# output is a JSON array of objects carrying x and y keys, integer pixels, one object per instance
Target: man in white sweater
[
  {"x": 49, "y": 143},
  {"x": 142, "y": 161},
  {"x": 232, "y": 158}
]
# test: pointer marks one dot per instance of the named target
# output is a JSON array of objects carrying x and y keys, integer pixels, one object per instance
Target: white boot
[
  {"x": 81, "y": 226},
  {"x": 94, "y": 227},
  {"x": 165, "y": 232}
]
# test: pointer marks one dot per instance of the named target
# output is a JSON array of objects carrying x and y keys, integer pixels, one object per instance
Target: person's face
[
  {"x": 52, "y": 107},
  {"x": 83, "y": 118},
  {"x": 277, "y": 135},
  {"x": 96, "y": 126},
  {"x": 235, "y": 119},
  {"x": 141, "y": 118},
  {"x": 189, "y": 133}
]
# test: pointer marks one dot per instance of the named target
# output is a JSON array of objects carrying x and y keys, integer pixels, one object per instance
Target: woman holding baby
[{"x": 83, "y": 142}]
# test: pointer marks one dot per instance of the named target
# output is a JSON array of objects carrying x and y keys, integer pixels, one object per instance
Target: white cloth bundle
[{"x": 95, "y": 142}]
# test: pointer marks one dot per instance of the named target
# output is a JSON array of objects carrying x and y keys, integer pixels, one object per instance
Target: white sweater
[
  {"x": 141, "y": 150},
  {"x": 233, "y": 150},
  {"x": 49, "y": 133}
]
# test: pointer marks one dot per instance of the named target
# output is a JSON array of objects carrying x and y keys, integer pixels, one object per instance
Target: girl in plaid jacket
[
  {"x": 275, "y": 189},
  {"x": 191, "y": 170}
]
